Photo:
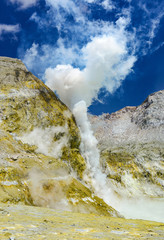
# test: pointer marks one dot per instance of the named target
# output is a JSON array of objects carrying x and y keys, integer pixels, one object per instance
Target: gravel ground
[{"x": 26, "y": 222}]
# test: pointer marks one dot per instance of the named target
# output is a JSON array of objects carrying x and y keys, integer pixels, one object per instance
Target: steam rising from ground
[
  {"x": 90, "y": 152},
  {"x": 44, "y": 140},
  {"x": 47, "y": 192},
  {"x": 104, "y": 61},
  {"x": 141, "y": 208},
  {"x": 108, "y": 61}
]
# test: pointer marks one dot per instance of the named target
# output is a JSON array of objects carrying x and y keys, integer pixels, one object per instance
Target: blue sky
[{"x": 116, "y": 47}]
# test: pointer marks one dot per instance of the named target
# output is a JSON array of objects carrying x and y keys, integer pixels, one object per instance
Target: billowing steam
[
  {"x": 107, "y": 63},
  {"x": 44, "y": 140}
]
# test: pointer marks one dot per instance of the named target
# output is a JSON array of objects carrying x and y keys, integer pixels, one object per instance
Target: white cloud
[
  {"x": 23, "y": 4},
  {"x": 108, "y": 4},
  {"x": 90, "y": 1},
  {"x": 6, "y": 28},
  {"x": 152, "y": 19},
  {"x": 30, "y": 55},
  {"x": 68, "y": 51},
  {"x": 155, "y": 25},
  {"x": 38, "y": 58},
  {"x": 69, "y": 7},
  {"x": 83, "y": 27}
]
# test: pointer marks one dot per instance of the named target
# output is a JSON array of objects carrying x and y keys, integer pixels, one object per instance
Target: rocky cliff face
[
  {"x": 40, "y": 162},
  {"x": 141, "y": 124},
  {"x": 131, "y": 142}
]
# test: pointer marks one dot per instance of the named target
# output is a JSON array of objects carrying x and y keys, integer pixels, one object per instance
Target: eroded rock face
[
  {"x": 40, "y": 162},
  {"x": 131, "y": 142}
]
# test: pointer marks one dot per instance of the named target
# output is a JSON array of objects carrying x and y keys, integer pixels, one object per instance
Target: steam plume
[
  {"x": 91, "y": 153},
  {"x": 107, "y": 64}
]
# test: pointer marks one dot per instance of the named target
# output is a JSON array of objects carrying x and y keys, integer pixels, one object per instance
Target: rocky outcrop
[
  {"x": 131, "y": 142},
  {"x": 40, "y": 161},
  {"x": 141, "y": 124}
]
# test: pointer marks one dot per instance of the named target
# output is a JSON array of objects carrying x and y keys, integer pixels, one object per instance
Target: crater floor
[{"x": 26, "y": 222}]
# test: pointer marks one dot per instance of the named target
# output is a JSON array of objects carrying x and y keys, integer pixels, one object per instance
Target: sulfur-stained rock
[
  {"x": 67, "y": 193},
  {"x": 131, "y": 142},
  {"x": 35, "y": 223},
  {"x": 40, "y": 160},
  {"x": 27, "y": 105}
]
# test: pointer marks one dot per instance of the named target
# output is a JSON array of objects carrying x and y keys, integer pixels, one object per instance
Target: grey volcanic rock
[
  {"x": 150, "y": 114},
  {"x": 12, "y": 63},
  {"x": 141, "y": 124},
  {"x": 131, "y": 143}
]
